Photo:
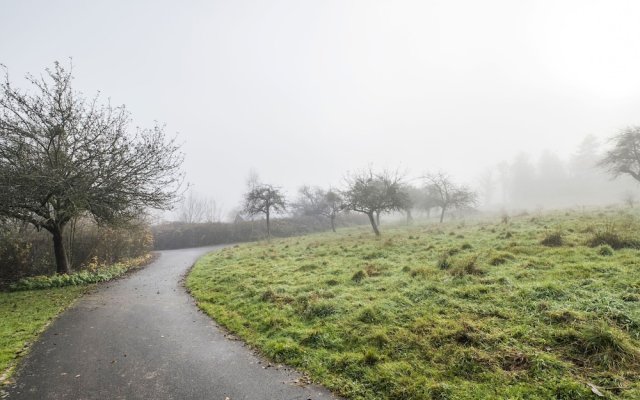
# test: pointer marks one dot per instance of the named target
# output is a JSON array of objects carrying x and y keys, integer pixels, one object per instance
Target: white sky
[{"x": 304, "y": 91}]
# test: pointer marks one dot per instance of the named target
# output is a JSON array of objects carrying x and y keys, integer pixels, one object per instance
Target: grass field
[
  {"x": 25, "y": 315},
  {"x": 540, "y": 307}
]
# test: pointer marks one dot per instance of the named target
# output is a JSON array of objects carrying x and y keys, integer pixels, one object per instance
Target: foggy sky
[{"x": 303, "y": 91}]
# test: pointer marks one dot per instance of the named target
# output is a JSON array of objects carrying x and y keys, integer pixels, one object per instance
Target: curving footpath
[{"x": 143, "y": 337}]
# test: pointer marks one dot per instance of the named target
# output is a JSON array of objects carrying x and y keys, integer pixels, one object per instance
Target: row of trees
[
  {"x": 374, "y": 193},
  {"x": 550, "y": 181},
  {"x": 369, "y": 192},
  {"x": 64, "y": 157}
]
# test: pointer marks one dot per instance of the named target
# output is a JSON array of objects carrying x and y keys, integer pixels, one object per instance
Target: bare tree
[
  {"x": 624, "y": 157},
  {"x": 264, "y": 199},
  {"x": 334, "y": 205},
  {"x": 446, "y": 194},
  {"x": 195, "y": 208},
  {"x": 630, "y": 198},
  {"x": 63, "y": 156},
  {"x": 317, "y": 202},
  {"x": 373, "y": 193}
]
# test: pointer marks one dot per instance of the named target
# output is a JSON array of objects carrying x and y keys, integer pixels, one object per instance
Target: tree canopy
[
  {"x": 446, "y": 194},
  {"x": 264, "y": 199},
  {"x": 317, "y": 202},
  {"x": 372, "y": 193},
  {"x": 624, "y": 157},
  {"x": 63, "y": 156}
]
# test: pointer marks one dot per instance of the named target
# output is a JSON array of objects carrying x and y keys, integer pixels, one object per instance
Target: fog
[{"x": 303, "y": 92}]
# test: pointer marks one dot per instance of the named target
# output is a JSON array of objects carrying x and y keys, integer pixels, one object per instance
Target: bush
[
  {"x": 553, "y": 239},
  {"x": 444, "y": 262},
  {"x": 605, "y": 250},
  {"x": 359, "y": 276},
  {"x": 26, "y": 252},
  {"x": 96, "y": 275},
  {"x": 612, "y": 239},
  {"x": 178, "y": 235}
]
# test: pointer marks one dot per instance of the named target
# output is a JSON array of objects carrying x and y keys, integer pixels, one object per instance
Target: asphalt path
[{"x": 142, "y": 337}]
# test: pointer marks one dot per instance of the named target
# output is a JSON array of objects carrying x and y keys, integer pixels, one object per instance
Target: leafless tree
[
  {"x": 62, "y": 156},
  {"x": 373, "y": 193},
  {"x": 630, "y": 198},
  {"x": 624, "y": 157},
  {"x": 447, "y": 195},
  {"x": 264, "y": 199},
  {"x": 195, "y": 208},
  {"x": 317, "y": 202}
]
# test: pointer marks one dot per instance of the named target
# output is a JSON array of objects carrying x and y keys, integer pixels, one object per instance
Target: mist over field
[
  {"x": 337, "y": 199},
  {"x": 501, "y": 95}
]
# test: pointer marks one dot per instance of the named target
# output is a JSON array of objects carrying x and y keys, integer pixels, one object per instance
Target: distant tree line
[
  {"x": 368, "y": 192},
  {"x": 68, "y": 162},
  {"x": 585, "y": 178}
]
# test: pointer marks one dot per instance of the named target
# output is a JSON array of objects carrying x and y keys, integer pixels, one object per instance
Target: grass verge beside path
[
  {"x": 24, "y": 315},
  {"x": 33, "y": 302},
  {"x": 542, "y": 307}
]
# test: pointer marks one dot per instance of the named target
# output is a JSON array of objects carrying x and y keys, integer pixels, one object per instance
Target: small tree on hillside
[
  {"x": 447, "y": 195},
  {"x": 264, "y": 199},
  {"x": 334, "y": 205},
  {"x": 373, "y": 193},
  {"x": 316, "y": 202},
  {"x": 624, "y": 157},
  {"x": 63, "y": 156}
]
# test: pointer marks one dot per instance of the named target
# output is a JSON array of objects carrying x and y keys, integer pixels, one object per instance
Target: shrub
[
  {"x": 553, "y": 239},
  {"x": 605, "y": 250},
  {"x": 26, "y": 252},
  {"x": 359, "y": 276},
  {"x": 444, "y": 262},
  {"x": 466, "y": 246},
  {"x": 99, "y": 274},
  {"x": 613, "y": 239}
]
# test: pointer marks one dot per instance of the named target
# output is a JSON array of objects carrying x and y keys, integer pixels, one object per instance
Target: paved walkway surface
[{"x": 142, "y": 337}]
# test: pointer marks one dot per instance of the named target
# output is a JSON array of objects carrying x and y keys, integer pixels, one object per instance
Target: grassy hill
[{"x": 544, "y": 306}]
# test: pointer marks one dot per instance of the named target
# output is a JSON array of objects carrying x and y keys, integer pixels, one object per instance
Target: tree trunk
[
  {"x": 62, "y": 263},
  {"x": 333, "y": 223},
  {"x": 442, "y": 214},
  {"x": 409, "y": 217},
  {"x": 268, "y": 226},
  {"x": 373, "y": 224}
]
